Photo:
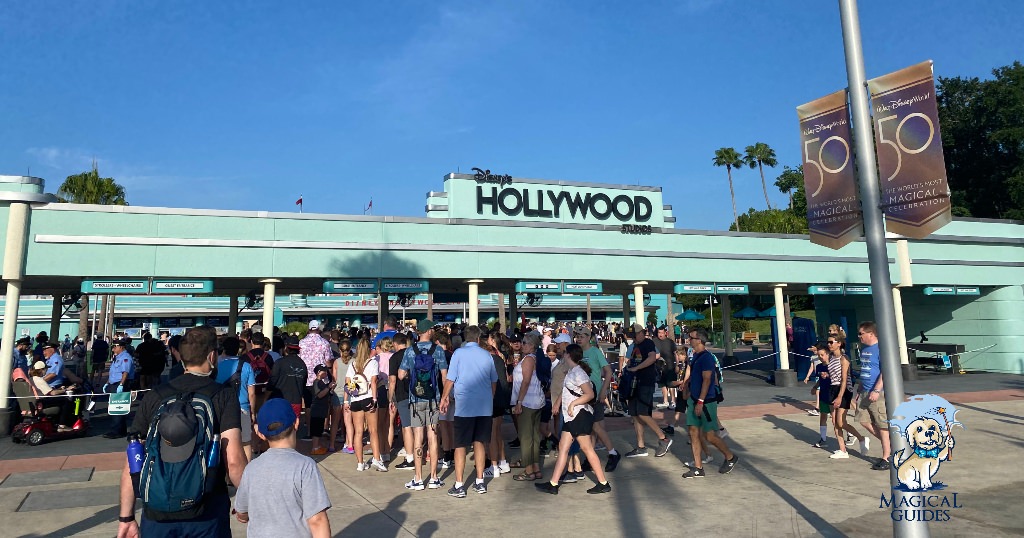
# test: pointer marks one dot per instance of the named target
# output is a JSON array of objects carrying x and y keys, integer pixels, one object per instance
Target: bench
[{"x": 749, "y": 337}]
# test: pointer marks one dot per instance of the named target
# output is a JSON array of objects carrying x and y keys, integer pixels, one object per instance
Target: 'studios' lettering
[
  {"x": 550, "y": 204},
  {"x": 637, "y": 229}
]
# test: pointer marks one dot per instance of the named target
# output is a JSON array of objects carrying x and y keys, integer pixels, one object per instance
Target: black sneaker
[
  {"x": 514, "y": 443},
  {"x": 727, "y": 465},
  {"x": 546, "y": 487},
  {"x": 457, "y": 492},
  {"x": 880, "y": 465},
  {"x": 613, "y": 462},
  {"x": 600, "y": 488},
  {"x": 568, "y": 478},
  {"x": 639, "y": 452},
  {"x": 406, "y": 464},
  {"x": 669, "y": 430},
  {"x": 663, "y": 446},
  {"x": 694, "y": 473},
  {"x": 585, "y": 467}
]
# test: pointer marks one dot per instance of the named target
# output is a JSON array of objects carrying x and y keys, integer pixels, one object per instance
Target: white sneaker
[
  {"x": 865, "y": 445},
  {"x": 435, "y": 483},
  {"x": 813, "y": 412},
  {"x": 446, "y": 464},
  {"x": 723, "y": 433},
  {"x": 505, "y": 467},
  {"x": 361, "y": 467},
  {"x": 401, "y": 452},
  {"x": 839, "y": 455},
  {"x": 415, "y": 485},
  {"x": 492, "y": 472},
  {"x": 850, "y": 440},
  {"x": 706, "y": 459},
  {"x": 379, "y": 465}
]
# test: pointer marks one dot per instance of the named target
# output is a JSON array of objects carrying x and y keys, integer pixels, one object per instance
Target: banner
[
  {"x": 911, "y": 169},
  {"x": 833, "y": 205}
]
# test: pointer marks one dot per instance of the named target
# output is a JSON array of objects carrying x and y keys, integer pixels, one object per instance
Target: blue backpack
[
  {"x": 176, "y": 490},
  {"x": 424, "y": 385}
]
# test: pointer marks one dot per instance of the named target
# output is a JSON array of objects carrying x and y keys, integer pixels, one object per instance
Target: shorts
[
  {"x": 246, "y": 424},
  {"x": 668, "y": 376},
  {"x": 598, "y": 411},
  {"x": 366, "y": 404},
  {"x": 581, "y": 424},
  {"x": 499, "y": 410},
  {"x": 824, "y": 407},
  {"x": 335, "y": 400},
  {"x": 847, "y": 397},
  {"x": 382, "y": 396},
  {"x": 707, "y": 421},
  {"x": 642, "y": 403},
  {"x": 469, "y": 430},
  {"x": 545, "y": 412},
  {"x": 316, "y": 426},
  {"x": 307, "y": 396},
  {"x": 424, "y": 414},
  {"x": 404, "y": 413},
  {"x": 872, "y": 411}
]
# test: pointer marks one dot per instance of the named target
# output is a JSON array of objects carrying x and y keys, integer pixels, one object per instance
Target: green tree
[
  {"x": 90, "y": 188},
  {"x": 773, "y": 221},
  {"x": 982, "y": 124},
  {"x": 791, "y": 179},
  {"x": 729, "y": 158},
  {"x": 758, "y": 156}
]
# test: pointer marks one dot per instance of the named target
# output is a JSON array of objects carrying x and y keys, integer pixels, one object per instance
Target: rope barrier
[
  {"x": 69, "y": 396},
  {"x": 751, "y": 360}
]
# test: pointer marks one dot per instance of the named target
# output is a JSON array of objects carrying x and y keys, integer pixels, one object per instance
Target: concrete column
[
  {"x": 383, "y": 309},
  {"x": 13, "y": 274},
  {"x": 501, "y": 312},
  {"x": 590, "y": 319},
  {"x": 670, "y": 320},
  {"x": 909, "y": 370},
  {"x": 233, "y": 315},
  {"x": 55, "y": 313},
  {"x": 730, "y": 357},
  {"x": 513, "y": 312},
  {"x": 474, "y": 300},
  {"x": 430, "y": 306},
  {"x": 269, "y": 294},
  {"x": 784, "y": 377},
  {"x": 625, "y": 311},
  {"x": 111, "y": 326},
  {"x": 638, "y": 300}
]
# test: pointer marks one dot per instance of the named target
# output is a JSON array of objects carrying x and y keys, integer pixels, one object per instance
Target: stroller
[{"x": 616, "y": 406}]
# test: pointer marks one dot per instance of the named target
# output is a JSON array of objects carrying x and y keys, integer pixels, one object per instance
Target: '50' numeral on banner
[
  {"x": 819, "y": 164},
  {"x": 897, "y": 144}
]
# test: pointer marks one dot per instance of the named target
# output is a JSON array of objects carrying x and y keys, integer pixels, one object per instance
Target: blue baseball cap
[{"x": 275, "y": 416}]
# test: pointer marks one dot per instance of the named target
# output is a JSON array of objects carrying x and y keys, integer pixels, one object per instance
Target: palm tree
[
  {"x": 729, "y": 158},
  {"x": 90, "y": 188},
  {"x": 758, "y": 156}
]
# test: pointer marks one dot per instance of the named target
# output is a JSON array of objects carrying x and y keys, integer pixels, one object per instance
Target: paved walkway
[{"x": 782, "y": 486}]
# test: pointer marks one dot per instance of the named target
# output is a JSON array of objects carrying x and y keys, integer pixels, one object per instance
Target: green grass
[{"x": 763, "y": 326}]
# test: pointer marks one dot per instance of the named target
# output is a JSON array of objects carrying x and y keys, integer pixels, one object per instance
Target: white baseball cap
[{"x": 314, "y": 325}]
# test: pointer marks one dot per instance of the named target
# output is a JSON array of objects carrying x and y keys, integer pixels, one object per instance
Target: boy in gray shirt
[{"x": 264, "y": 501}]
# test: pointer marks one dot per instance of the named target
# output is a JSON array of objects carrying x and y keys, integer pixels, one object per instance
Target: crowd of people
[{"x": 428, "y": 394}]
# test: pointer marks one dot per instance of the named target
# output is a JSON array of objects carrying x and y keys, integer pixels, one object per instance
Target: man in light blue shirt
[
  {"x": 473, "y": 379},
  {"x": 122, "y": 372},
  {"x": 227, "y": 366},
  {"x": 54, "y": 365}
]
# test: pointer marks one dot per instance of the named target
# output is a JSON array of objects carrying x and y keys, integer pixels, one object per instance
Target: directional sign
[
  {"x": 182, "y": 286},
  {"x": 696, "y": 289},
  {"x": 968, "y": 291},
  {"x": 732, "y": 289},
  {"x": 120, "y": 403},
  {"x": 940, "y": 290},
  {"x": 351, "y": 286},
  {"x": 858, "y": 290},
  {"x": 404, "y": 286},
  {"x": 538, "y": 287},
  {"x": 582, "y": 287},
  {"x": 115, "y": 286},
  {"x": 825, "y": 290}
]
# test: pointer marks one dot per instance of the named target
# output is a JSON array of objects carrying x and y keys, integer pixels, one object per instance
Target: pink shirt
[{"x": 314, "y": 350}]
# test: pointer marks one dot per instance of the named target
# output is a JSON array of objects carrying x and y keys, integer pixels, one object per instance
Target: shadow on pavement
[
  {"x": 371, "y": 524},
  {"x": 104, "y": 516}
]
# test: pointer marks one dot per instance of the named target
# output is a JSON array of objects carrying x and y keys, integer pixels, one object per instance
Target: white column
[
  {"x": 13, "y": 273},
  {"x": 233, "y": 315},
  {"x": 726, "y": 324},
  {"x": 501, "y": 312},
  {"x": 670, "y": 320},
  {"x": 590, "y": 319},
  {"x": 901, "y": 331},
  {"x": 430, "y": 306},
  {"x": 269, "y": 294},
  {"x": 474, "y": 300},
  {"x": 638, "y": 299},
  {"x": 780, "y": 328}
]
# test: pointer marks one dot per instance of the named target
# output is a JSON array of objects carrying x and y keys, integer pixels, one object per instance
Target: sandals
[
  {"x": 527, "y": 477},
  {"x": 518, "y": 464}
]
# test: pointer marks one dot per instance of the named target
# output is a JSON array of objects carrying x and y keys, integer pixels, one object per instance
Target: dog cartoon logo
[{"x": 925, "y": 422}]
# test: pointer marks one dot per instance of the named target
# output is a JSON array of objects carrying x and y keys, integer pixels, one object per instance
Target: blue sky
[{"x": 246, "y": 105}]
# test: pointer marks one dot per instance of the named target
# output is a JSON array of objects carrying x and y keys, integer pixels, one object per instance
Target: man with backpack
[
  {"x": 702, "y": 411},
  {"x": 190, "y": 427},
  {"x": 262, "y": 363},
  {"x": 237, "y": 374},
  {"x": 425, "y": 366}
]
